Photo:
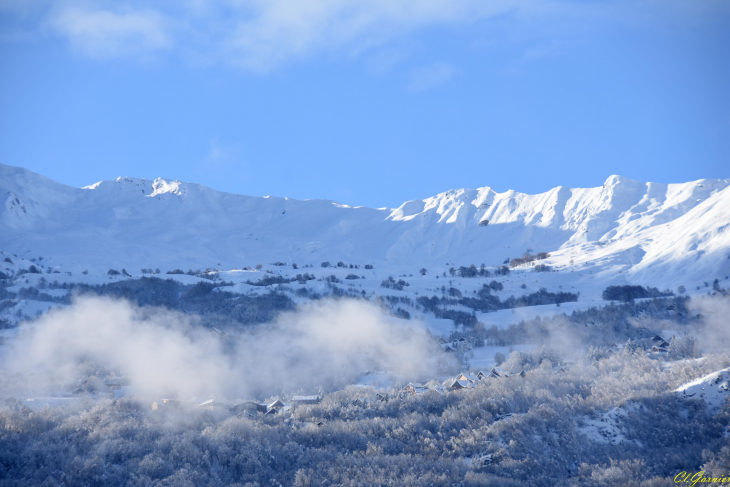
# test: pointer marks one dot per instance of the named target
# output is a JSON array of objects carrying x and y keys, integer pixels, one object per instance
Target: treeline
[
  {"x": 209, "y": 300},
  {"x": 342, "y": 265},
  {"x": 631, "y": 292},
  {"x": 528, "y": 258},
  {"x": 597, "y": 326},
  {"x": 270, "y": 279},
  {"x": 473, "y": 271},
  {"x": 486, "y": 302},
  {"x": 391, "y": 283}
]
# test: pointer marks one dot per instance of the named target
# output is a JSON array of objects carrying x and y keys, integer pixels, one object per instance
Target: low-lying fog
[{"x": 164, "y": 354}]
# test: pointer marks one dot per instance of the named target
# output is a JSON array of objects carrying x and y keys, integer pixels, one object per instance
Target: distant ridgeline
[{"x": 619, "y": 229}]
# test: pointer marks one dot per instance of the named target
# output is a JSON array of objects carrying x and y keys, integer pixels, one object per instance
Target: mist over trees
[
  {"x": 508, "y": 431},
  {"x": 208, "y": 300},
  {"x": 597, "y": 326}
]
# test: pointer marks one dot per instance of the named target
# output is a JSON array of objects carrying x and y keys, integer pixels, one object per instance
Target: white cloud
[
  {"x": 255, "y": 34},
  {"x": 102, "y": 33},
  {"x": 430, "y": 76},
  {"x": 281, "y": 29},
  {"x": 262, "y": 34}
]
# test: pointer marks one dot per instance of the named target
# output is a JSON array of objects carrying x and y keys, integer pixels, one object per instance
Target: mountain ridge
[{"x": 623, "y": 228}]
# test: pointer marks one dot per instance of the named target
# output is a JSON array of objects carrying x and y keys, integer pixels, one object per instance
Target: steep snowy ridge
[{"x": 650, "y": 233}]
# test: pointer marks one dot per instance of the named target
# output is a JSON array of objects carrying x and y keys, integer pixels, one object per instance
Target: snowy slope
[
  {"x": 713, "y": 388},
  {"x": 624, "y": 231}
]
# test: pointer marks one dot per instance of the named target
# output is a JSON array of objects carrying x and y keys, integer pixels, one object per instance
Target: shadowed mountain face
[{"x": 646, "y": 231}]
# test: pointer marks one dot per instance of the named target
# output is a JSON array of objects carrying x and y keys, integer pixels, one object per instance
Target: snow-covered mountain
[{"x": 649, "y": 233}]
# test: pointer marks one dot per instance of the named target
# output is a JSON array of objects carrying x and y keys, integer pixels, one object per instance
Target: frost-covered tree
[{"x": 683, "y": 347}]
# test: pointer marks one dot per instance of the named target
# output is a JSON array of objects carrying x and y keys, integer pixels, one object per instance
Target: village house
[
  {"x": 413, "y": 389},
  {"x": 165, "y": 403},
  {"x": 467, "y": 377},
  {"x": 456, "y": 385},
  {"x": 213, "y": 405},
  {"x": 248, "y": 406},
  {"x": 299, "y": 400},
  {"x": 275, "y": 406}
]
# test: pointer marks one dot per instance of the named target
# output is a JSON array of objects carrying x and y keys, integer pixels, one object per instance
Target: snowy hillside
[
  {"x": 713, "y": 388},
  {"x": 625, "y": 231}
]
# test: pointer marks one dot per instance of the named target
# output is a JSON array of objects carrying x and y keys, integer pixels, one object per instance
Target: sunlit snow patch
[{"x": 713, "y": 388}]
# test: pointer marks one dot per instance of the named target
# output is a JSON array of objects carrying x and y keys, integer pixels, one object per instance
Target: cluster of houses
[
  {"x": 461, "y": 381},
  {"x": 466, "y": 381},
  {"x": 248, "y": 408},
  {"x": 658, "y": 345},
  {"x": 653, "y": 345}
]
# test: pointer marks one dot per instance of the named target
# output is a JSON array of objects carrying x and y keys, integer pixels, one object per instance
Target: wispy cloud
[
  {"x": 429, "y": 76},
  {"x": 103, "y": 33},
  {"x": 254, "y": 34},
  {"x": 281, "y": 29},
  {"x": 261, "y": 35}
]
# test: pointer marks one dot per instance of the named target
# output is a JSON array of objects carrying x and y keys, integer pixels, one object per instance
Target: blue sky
[{"x": 366, "y": 102}]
